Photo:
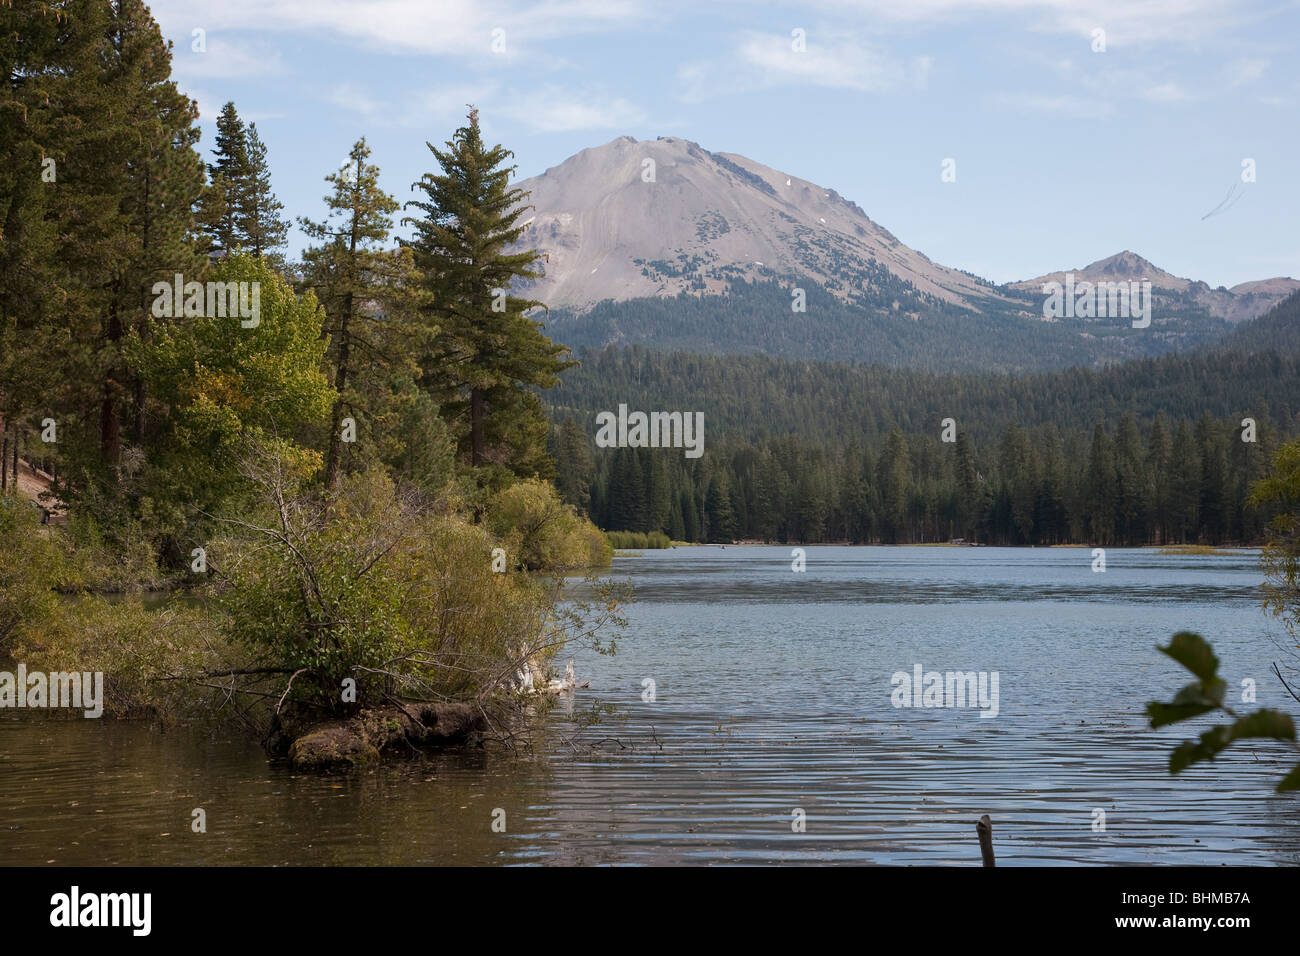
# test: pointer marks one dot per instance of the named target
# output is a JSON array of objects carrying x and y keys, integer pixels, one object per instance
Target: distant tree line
[
  {"x": 1179, "y": 482},
  {"x": 1146, "y": 452}
]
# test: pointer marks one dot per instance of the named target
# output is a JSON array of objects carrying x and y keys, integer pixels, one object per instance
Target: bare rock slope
[{"x": 634, "y": 219}]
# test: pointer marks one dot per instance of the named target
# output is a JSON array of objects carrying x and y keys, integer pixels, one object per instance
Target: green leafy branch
[{"x": 1205, "y": 694}]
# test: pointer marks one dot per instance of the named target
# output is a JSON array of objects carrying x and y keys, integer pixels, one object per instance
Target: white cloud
[
  {"x": 761, "y": 61},
  {"x": 1184, "y": 22},
  {"x": 453, "y": 101},
  {"x": 1165, "y": 93},
  {"x": 1064, "y": 105},
  {"x": 226, "y": 59},
  {"x": 835, "y": 62},
  {"x": 412, "y": 109},
  {"x": 921, "y": 67},
  {"x": 1241, "y": 72},
  {"x": 553, "y": 109},
  {"x": 1105, "y": 81},
  {"x": 460, "y": 28},
  {"x": 349, "y": 97},
  {"x": 548, "y": 109}
]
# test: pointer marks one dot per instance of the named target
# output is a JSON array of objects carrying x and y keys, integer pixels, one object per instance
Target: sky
[{"x": 1076, "y": 130}]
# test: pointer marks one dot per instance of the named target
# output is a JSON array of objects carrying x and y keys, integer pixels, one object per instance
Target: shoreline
[{"x": 1190, "y": 549}]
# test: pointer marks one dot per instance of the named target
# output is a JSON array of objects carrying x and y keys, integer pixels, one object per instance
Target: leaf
[
  {"x": 1194, "y": 653},
  {"x": 1163, "y": 714},
  {"x": 1192, "y": 701},
  {"x": 1291, "y": 781},
  {"x": 1262, "y": 723},
  {"x": 1212, "y": 742},
  {"x": 1203, "y": 692}
]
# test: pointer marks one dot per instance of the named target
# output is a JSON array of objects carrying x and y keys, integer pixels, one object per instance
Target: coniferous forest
[
  {"x": 1151, "y": 451},
  {"x": 330, "y": 455}
]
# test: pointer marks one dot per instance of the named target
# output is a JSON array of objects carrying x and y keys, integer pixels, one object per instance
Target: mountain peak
[
  {"x": 654, "y": 218},
  {"x": 1242, "y": 302},
  {"x": 1124, "y": 264}
]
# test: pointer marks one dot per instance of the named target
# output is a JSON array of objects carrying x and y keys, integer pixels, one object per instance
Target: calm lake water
[{"x": 772, "y": 694}]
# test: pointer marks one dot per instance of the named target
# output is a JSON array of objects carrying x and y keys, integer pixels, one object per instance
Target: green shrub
[
  {"x": 29, "y": 567},
  {"x": 378, "y": 589},
  {"x": 151, "y": 658},
  {"x": 638, "y": 540},
  {"x": 541, "y": 533}
]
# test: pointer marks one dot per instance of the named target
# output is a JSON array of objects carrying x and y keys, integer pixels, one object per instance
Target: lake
[{"x": 772, "y": 713}]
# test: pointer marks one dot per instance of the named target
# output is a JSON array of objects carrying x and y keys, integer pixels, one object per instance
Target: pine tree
[
  {"x": 1019, "y": 476},
  {"x": 1102, "y": 487},
  {"x": 575, "y": 466},
  {"x": 223, "y": 206},
  {"x": 1184, "y": 485},
  {"x": 487, "y": 353},
  {"x": 33, "y": 39},
  {"x": 894, "y": 477},
  {"x": 129, "y": 179},
  {"x": 1051, "y": 518},
  {"x": 658, "y": 492},
  {"x": 690, "y": 516},
  {"x": 363, "y": 288},
  {"x": 259, "y": 211},
  {"x": 1159, "y": 453},
  {"x": 1131, "y": 473},
  {"x": 627, "y": 493},
  {"x": 1211, "y": 508},
  {"x": 240, "y": 210},
  {"x": 967, "y": 491},
  {"x": 719, "y": 519}
]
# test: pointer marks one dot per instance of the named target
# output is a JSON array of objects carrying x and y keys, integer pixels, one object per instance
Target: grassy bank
[{"x": 638, "y": 540}]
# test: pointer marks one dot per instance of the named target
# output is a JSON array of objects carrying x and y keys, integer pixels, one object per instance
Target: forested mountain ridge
[
  {"x": 1257, "y": 370},
  {"x": 1277, "y": 330},
  {"x": 1148, "y": 451},
  {"x": 756, "y": 318}
]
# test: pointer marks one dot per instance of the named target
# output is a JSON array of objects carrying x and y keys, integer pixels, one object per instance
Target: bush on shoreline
[
  {"x": 638, "y": 540},
  {"x": 316, "y": 604},
  {"x": 541, "y": 533}
]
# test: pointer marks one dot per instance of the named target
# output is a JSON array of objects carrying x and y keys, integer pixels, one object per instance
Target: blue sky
[{"x": 1063, "y": 154}]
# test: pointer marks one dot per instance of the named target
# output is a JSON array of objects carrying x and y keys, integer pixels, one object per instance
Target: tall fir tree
[
  {"x": 259, "y": 211},
  {"x": 575, "y": 464},
  {"x": 1159, "y": 454},
  {"x": 719, "y": 519},
  {"x": 223, "y": 204},
  {"x": 487, "y": 353},
  {"x": 240, "y": 210},
  {"x": 894, "y": 476},
  {"x": 1101, "y": 485},
  {"x": 1184, "y": 485}
]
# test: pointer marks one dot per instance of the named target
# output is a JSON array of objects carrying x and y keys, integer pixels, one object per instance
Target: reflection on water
[{"x": 772, "y": 693}]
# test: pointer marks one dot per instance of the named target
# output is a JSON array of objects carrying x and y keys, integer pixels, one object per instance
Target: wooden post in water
[{"x": 985, "y": 831}]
